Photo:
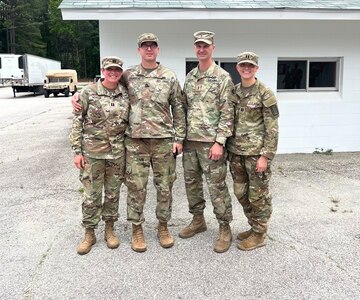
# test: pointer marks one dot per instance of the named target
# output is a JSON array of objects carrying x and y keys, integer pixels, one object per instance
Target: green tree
[
  {"x": 74, "y": 43},
  {"x": 22, "y": 20},
  {"x": 36, "y": 27}
]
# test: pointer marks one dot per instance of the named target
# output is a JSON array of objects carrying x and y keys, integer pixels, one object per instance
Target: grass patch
[{"x": 323, "y": 151}]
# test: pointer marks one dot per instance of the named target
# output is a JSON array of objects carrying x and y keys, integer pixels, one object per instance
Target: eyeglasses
[{"x": 152, "y": 46}]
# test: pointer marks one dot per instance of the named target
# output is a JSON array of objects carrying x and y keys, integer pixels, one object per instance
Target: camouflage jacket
[
  {"x": 157, "y": 104},
  {"x": 256, "y": 130},
  {"x": 210, "y": 105},
  {"x": 98, "y": 128}
]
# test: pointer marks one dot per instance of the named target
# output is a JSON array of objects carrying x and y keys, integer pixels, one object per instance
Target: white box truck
[
  {"x": 34, "y": 68},
  {"x": 9, "y": 68},
  {"x": 60, "y": 81}
]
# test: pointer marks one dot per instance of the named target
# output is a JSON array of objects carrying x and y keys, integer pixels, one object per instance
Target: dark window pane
[
  {"x": 322, "y": 74},
  {"x": 231, "y": 68},
  {"x": 21, "y": 62},
  {"x": 190, "y": 65},
  {"x": 291, "y": 74}
]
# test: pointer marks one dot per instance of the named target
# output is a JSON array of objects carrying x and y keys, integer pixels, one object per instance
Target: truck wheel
[
  {"x": 46, "y": 94},
  {"x": 66, "y": 92},
  {"x": 75, "y": 89},
  {"x": 56, "y": 94}
]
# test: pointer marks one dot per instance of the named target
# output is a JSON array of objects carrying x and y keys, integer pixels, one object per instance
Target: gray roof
[{"x": 210, "y": 4}]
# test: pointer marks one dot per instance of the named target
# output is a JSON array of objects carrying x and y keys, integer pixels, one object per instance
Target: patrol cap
[
  {"x": 111, "y": 61},
  {"x": 204, "y": 36},
  {"x": 147, "y": 37},
  {"x": 248, "y": 57}
]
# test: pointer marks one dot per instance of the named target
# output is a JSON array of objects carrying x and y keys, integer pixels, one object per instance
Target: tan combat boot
[
  {"x": 244, "y": 235},
  {"x": 164, "y": 235},
  {"x": 197, "y": 225},
  {"x": 138, "y": 242},
  {"x": 89, "y": 240},
  {"x": 255, "y": 240},
  {"x": 223, "y": 242},
  {"x": 111, "y": 239}
]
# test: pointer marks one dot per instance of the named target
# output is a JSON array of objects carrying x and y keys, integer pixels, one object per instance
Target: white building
[{"x": 319, "y": 106}]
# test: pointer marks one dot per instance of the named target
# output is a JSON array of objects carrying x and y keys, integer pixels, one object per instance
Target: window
[
  {"x": 229, "y": 66},
  {"x": 21, "y": 62},
  {"x": 307, "y": 75},
  {"x": 59, "y": 79},
  {"x": 190, "y": 65}
]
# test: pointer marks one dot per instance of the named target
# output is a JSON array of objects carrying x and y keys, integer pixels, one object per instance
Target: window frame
[{"x": 338, "y": 66}]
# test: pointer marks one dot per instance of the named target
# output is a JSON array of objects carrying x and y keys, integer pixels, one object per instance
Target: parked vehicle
[
  {"x": 60, "y": 81},
  {"x": 9, "y": 68},
  {"x": 34, "y": 71}
]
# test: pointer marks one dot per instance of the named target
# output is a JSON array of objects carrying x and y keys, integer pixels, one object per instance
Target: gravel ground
[{"x": 312, "y": 245}]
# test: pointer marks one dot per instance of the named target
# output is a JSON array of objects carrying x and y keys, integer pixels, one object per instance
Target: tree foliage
[{"x": 36, "y": 27}]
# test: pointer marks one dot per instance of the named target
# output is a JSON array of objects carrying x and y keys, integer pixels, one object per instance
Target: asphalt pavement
[{"x": 312, "y": 243}]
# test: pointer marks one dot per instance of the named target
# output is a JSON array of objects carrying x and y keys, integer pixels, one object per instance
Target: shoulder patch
[{"x": 274, "y": 110}]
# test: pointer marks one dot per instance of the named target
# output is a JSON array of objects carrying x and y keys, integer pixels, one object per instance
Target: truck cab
[{"x": 60, "y": 81}]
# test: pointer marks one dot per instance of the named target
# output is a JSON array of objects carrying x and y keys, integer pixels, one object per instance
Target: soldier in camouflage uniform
[
  {"x": 154, "y": 137},
  {"x": 210, "y": 95},
  {"x": 97, "y": 139},
  {"x": 252, "y": 148}
]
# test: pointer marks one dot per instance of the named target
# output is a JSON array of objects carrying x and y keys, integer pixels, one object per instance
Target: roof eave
[{"x": 207, "y": 14}]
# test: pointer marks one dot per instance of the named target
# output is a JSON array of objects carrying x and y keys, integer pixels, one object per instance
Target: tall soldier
[
  {"x": 154, "y": 137},
  {"x": 209, "y": 94},
  {"x": 252, "y": 148}
]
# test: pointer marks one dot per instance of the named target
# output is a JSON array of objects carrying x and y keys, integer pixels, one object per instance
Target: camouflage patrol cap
[
  {"x": 248, "y": 57},
  {"x": 204, "y": 36},
  {"x": 111, "y": 61},
  {"x": 147, "y": 37}
]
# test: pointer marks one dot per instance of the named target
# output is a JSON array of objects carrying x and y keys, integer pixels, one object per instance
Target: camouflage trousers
[
  {"x": 252, "y": 190},
  {"x": 196, "y": 164},
  {"x": 141, "y": 154},
  {"x": 99, "y": 175}
]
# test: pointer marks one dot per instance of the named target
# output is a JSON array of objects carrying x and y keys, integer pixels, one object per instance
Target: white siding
[{"x": 328, "y": 120}]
